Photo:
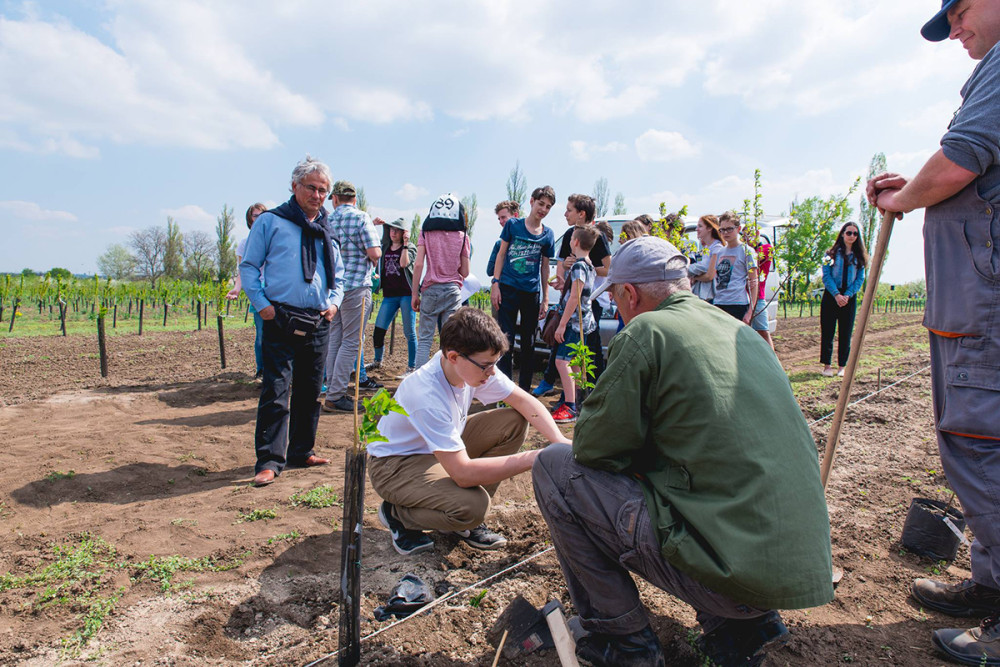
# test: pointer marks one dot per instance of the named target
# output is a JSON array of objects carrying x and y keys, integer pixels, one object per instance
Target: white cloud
[
  {"x": 581, "y": 150},
  {"x": 410, "y": 192},
  {"x": 663, "y": 146},
  {"x": 190, "y": 214},
  {"x": 30, "y": 211}
]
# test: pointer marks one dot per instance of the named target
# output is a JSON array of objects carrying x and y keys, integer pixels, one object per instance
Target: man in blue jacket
[{"x": 290, "y": 251}]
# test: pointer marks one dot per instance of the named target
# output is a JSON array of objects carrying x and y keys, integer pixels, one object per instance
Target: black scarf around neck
[{"x": 314, "y": 229}]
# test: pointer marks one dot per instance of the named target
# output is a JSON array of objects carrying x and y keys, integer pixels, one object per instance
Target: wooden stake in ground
[
  {"x": 102, "y": 346},
  {"x": 142, "y": 304},
  {"x": 222, "y": 342},
  {"x": 13, "y": 314},
  {"x": 875, "y": 270},
  {"x": 355, "y": 462}
]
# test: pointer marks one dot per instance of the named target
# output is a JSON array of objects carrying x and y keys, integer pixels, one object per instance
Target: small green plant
[
  {"x": 97, "y": 611},
  {"x": 284, "y": 537},
  {"x": 184, "y": 522},
  {"x": 161, "y": 569},
  {"x": 321, "y": 496},
  {"x": 582, "y": 365},
  {"x": 477, "y": 599},
  {"x": 376, "y": 407},
  {"x": 57, "y": 475},
  {"x": 938, "y": 567},
  {"x": 257, "y": 515}
]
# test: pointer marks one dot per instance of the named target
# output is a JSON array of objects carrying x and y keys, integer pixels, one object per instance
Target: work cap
[
  {"x": 643, "y": 260},
  {"x": 344, "y": 189},
  {"x": 398, "y": 223},
  {"x": 938, "y": 28}
]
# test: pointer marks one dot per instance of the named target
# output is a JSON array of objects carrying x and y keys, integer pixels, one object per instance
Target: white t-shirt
[{"x": 437, "y": 411}]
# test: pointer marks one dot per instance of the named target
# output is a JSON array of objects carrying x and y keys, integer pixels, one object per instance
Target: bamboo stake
[{"x": 885, "y": 231}]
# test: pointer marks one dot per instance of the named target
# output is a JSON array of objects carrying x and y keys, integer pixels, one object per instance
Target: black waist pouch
[{"x": 296, "y": 321}]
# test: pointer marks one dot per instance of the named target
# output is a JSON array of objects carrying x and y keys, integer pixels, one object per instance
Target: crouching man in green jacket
[{"x": 692, "y": 467}]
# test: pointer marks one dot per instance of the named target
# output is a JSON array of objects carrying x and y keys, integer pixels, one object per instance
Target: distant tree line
[{"x": 159, "y": 252}]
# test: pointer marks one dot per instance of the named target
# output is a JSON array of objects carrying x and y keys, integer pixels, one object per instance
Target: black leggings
[
  {"x": 378, "y": 337},
  {"x": 832, "y": 316}
]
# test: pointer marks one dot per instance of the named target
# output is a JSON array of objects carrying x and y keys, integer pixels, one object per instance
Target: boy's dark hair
[
  {"x": 606, "y": 229},
  {"x": 586, "y": 237},
  {"x": 730, "y": 216},
  {"x": 470, "y": 330},
  {"x": 645, "y": 220},
  {"x": 545, "y": 191},
  {"x": 584, "y": 203},
  {"x": 512, "y": 207},
  {"x": 256, "y": 207}
]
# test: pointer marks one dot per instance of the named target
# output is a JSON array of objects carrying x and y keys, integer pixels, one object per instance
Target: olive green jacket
[{"x": 696, "y": 406}]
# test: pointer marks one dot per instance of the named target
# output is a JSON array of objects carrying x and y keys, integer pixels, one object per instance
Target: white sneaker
[
  {"x": 408, "y": 371},
  {"x": 828, "y": 372},
  {"x": 840, "y": 373}
]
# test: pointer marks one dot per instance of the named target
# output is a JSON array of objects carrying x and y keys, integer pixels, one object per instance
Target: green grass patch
[
  {"x": 321, "y": 496},
  {"x": 257, "y": 515},
  {"x": 57, "y": 475},
  {"x": 162, "y": 569},
  {"x": 80, "y": 576}
]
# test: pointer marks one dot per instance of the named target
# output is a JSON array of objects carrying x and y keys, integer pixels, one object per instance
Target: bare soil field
[{"x": 129, "y": 534}]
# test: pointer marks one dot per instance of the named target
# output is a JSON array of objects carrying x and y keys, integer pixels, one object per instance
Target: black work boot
[
  {"x": 639, "y": 649},
  {"x": 743, "y": 642},
  {"x": 966, "y": 598},
  {"x": 976, "y": 646}
]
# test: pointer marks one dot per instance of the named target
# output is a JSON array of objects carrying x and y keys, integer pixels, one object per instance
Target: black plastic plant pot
[{"x": 925, "y": 532}]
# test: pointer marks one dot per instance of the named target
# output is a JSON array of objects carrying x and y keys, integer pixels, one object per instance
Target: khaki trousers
[{"x": 422, "y": 493}]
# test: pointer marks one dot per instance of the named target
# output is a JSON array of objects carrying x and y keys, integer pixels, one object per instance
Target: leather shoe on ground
[
  {"x": 975, "y": 646},
  {"x": 342, "y": 404},
  {"x": 315, "y": 461},
  {"x": 743, "y": 642},
  {"x": 639, "y": 649},
  {"x": 966, "y": 598},
  {"x": 263, "y": 478}
]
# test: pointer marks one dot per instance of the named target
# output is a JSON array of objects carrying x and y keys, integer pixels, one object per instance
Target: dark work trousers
[
  {"x": 593, "y": 342},
  {"x": 737, "y": 310},
  {"x": 833, "y": 316},
  {"x": 293, "y": 375},
  {"x": 962, "y": 261},
  {"x": 512, "y": 303},
  {"x": 602, "y": 531}
]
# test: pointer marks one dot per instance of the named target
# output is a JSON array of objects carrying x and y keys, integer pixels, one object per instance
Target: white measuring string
[
  {"x": 437, "y": 602},
  {"x": 865, "y": 398}
]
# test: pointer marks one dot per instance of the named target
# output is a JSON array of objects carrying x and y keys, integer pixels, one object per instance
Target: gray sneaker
[
  {"x": 404, "y": 540},
  {"x": 482, "y": 537},
  {"x": 342, "y": 404}
]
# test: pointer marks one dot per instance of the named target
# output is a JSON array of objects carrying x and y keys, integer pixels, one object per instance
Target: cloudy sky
[{"x": 117, "y": 114}]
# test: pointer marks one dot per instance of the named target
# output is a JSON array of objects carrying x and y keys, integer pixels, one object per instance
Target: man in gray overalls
[{"x": 960, "y": 187}]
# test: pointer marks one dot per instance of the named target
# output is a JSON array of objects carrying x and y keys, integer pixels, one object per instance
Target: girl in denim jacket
[{"x": 843, "y": 275}]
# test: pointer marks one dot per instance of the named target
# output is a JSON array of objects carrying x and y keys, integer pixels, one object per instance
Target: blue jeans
[{"x": 387, "y": 313}]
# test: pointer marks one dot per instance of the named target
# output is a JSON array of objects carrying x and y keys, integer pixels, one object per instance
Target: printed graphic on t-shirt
[
  {"x": 391, "y": 264},
  {"x": 524, "y": 256},
  {"x": 723, "y": 273}
]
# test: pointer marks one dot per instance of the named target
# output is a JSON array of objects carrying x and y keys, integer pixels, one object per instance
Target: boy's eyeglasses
[
  {"x": 483, "y": 367},
  {"x": 727, "y": 230}
]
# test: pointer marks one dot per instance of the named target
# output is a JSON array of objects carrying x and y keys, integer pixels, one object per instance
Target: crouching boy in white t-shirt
[{"x": 441, "y": 467}]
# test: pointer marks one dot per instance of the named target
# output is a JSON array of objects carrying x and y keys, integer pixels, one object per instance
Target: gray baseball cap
[{"x": 643, "y": 260}]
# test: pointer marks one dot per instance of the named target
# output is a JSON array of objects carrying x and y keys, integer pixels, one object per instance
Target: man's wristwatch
[{"x": 494, "y": 281}]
